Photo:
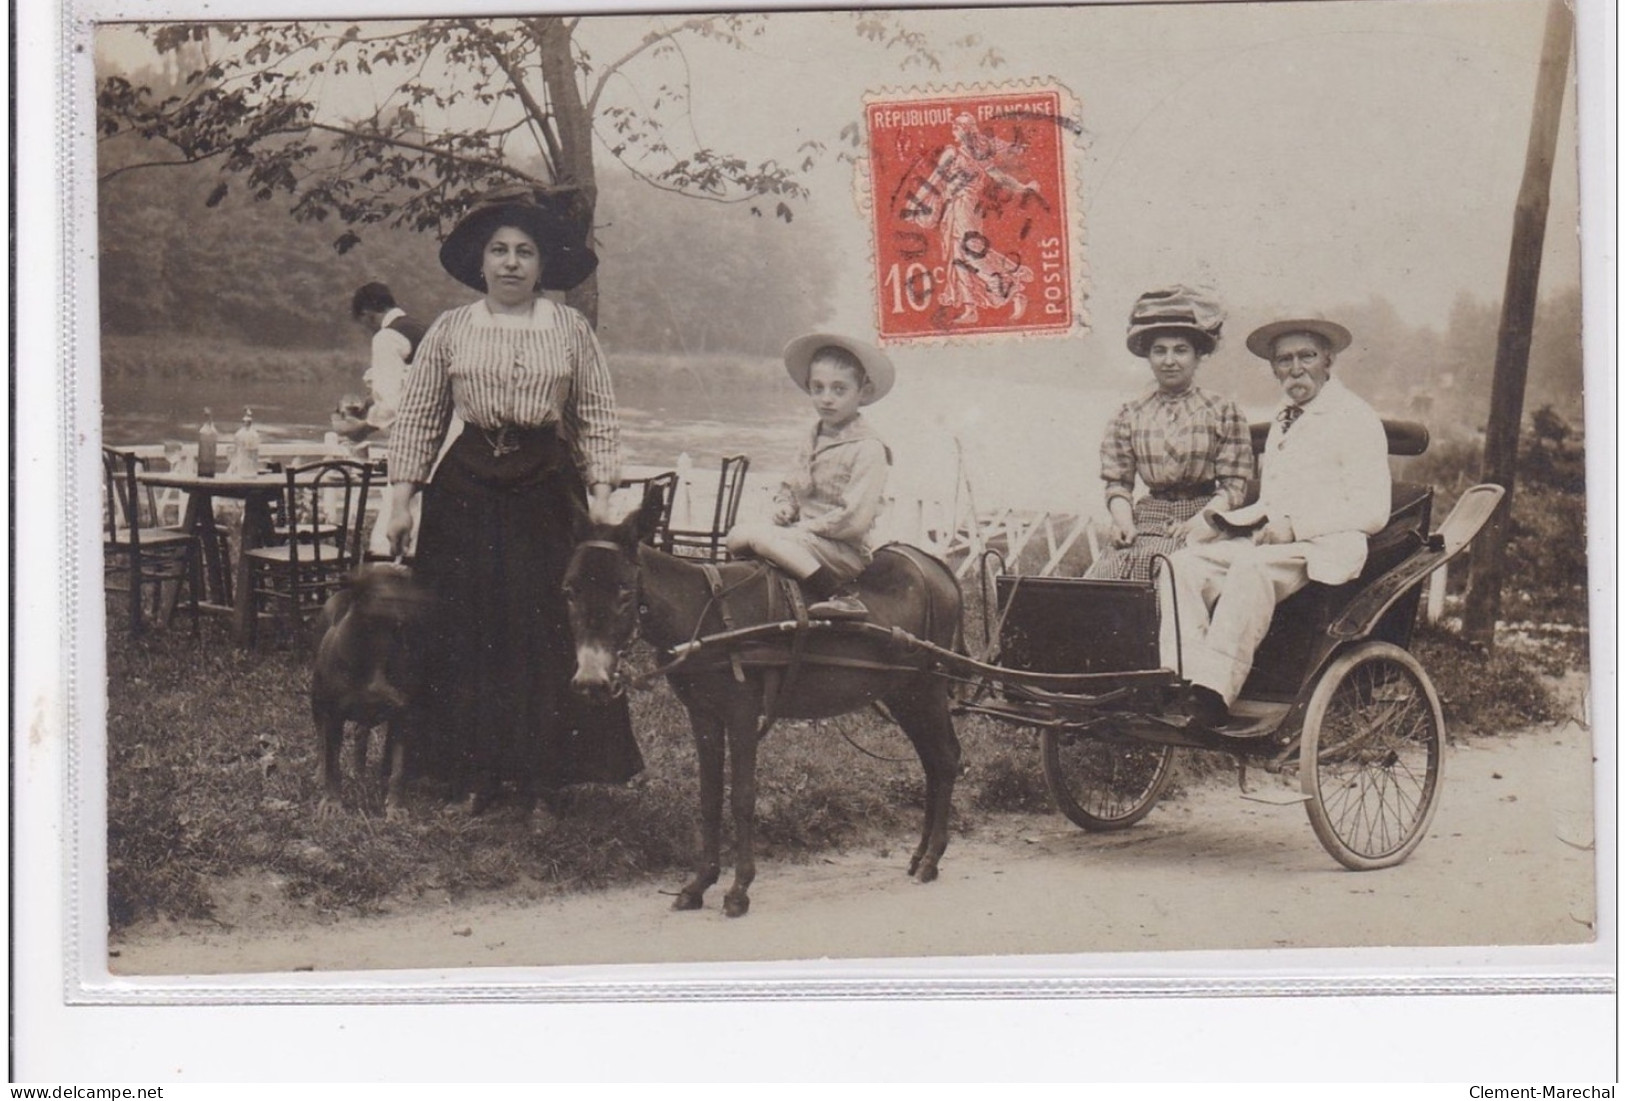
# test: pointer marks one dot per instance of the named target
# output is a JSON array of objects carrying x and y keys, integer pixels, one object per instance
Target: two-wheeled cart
[{"x": 1334, "y": 695}]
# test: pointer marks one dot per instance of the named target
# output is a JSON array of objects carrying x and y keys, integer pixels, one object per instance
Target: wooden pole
[{"x": 1517, "y": 322}]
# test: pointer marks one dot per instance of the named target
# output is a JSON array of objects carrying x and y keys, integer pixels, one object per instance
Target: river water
[
  {"x": 655, "y": 428},
  {"x": 1018, "y": 445}
]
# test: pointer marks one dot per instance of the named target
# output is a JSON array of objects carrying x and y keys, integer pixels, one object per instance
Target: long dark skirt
[{"x": 495, "y": 538}]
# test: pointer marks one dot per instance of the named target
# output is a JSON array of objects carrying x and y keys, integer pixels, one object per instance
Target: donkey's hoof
[
  {"x": 736, "y": 904},
  {"x": 688, "y": 900},
  {"x": 914, "y": 864},
  {"x": 927, "y": 871}
]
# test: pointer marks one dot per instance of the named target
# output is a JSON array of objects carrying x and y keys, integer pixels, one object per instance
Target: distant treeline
[
  {"x": 1440, "y": 374},
  {"x": 677, "y": 274},
  {"x": 183, "y": 356},
  {"x": 194, "y": 284}
]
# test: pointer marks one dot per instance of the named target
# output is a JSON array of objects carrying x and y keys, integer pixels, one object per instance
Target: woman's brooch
[{"x": 500, "y": 444}]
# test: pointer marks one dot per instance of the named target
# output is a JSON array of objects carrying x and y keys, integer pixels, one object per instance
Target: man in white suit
[{"x": 1325, "y": 488}]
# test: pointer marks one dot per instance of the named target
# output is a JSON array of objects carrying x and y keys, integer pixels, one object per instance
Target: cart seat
[
  {"x": 1404, "y": 534},
  {"x": 1298, "y": 634}
]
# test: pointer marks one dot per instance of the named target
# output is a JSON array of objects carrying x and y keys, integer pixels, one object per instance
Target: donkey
[{"x": 617, "y": 584}]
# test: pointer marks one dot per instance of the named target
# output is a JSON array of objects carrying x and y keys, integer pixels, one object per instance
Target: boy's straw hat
[
  {"x": 799, "y": 353},
  {"x": 548, "y": 216}
]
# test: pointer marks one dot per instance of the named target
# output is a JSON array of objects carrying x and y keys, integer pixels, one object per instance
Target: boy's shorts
[{"x": 842, "y": 559}]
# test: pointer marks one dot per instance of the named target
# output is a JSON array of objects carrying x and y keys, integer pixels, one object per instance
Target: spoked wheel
[
  {"x": 1372, "y": 755},
  {"x": 1103, "y": 784}
]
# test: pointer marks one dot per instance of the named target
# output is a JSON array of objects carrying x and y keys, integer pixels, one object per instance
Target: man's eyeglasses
[{"x": 1308, "y": 360}]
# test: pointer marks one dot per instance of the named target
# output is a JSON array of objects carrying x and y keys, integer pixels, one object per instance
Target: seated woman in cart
[{"x": 1189, "y": 446}]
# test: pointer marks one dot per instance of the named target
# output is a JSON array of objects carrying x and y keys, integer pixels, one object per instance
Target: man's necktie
[{"x": 1288, "y": 416}]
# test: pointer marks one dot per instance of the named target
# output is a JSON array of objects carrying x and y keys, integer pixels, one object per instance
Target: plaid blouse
[
  {"x": 1179, "y": 440},
  {"x": 503, "y": 371}
]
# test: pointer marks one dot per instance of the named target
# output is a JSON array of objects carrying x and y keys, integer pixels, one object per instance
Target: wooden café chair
[
  {"x": 666, "y": 482},
  {"x": 711, "y": 543},
  {"x": 323, "y": 507},
  {"x": 139, "y": 554}
]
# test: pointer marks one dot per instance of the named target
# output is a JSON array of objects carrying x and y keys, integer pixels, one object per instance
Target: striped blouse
[
  {"x": 1177, "y": 441},
  {"x": 499, "y": 370}
]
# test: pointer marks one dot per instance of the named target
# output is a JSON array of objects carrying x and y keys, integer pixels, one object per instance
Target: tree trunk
[
  {"x": 1517, "y": 323},
  {"x": 574, "y": 127}
]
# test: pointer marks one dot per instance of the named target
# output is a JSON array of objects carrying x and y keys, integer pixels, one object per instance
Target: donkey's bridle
[
  {"x": 619, "y": 686},
  {"x": 683, "y": 652}
]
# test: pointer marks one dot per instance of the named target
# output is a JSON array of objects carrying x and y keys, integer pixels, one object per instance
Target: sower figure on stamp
[
  {"x": 1189, "y": 446},
  {"x": 1325, "y": 489},
  {"x": 979, "y": 276},
  {"x": 825, "y": 511}
]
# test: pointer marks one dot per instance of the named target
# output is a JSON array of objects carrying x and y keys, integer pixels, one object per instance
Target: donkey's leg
[
  {"x": 921, "y": 710},
  {"x": 708, "y": 747},
  {"x": 742, "y": 720}
]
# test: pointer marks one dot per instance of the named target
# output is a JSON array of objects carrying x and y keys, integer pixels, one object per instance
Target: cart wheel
[
  {"x": 1372, "y": 755},
  {"x": 1105, "y": 784}
]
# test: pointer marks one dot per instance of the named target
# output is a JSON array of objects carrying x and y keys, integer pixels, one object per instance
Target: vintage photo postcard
[{"x": 1000, "y": 500}]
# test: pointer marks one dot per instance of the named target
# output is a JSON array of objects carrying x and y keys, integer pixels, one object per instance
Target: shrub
[{"x": 1483, "y": 691}]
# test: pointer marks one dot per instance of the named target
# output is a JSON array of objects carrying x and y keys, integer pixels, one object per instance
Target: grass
[
  {"x": 1488, "y": 691},
  {"x": 211, "y": 774}
]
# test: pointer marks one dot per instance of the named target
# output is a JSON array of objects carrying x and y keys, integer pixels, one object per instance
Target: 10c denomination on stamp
[{"x": 970, "y": 202}]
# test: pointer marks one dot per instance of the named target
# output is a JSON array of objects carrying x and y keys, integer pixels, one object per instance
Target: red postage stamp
[{"x": 970, "y": 205}]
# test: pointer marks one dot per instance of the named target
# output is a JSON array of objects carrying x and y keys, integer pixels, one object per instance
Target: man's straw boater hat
[
  {"x": 549, "y": 217},
  {"x": 1177, "y": 308},
  {"x": 800, "y": 352},
  {"x": 1261, "y": 341}
]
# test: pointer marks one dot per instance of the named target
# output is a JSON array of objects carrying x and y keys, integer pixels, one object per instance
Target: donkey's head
[{"x": 601, "y": 593}]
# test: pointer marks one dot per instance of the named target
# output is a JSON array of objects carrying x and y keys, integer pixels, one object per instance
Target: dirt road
[{"x": 1509, "y": 860}]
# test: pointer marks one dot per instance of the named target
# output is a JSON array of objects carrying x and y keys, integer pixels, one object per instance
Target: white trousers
[{"x": 1227, "y": 593}]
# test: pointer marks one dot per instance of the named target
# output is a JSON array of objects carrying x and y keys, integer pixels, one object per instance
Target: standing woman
[
  {"x": 541, "y": 439},
  {"x": 1190, "y": 447}
]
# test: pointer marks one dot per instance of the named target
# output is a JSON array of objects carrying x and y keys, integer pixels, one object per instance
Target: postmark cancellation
[{"x": 973, "y": 215}]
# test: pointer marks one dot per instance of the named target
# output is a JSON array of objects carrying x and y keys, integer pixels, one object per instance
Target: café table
[
  {"x": 256, "y": 492},
  {"x": 229, "y": 585}
]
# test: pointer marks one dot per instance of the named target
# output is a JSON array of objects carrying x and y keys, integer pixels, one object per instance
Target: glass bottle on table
[
  {"x": 246, "y": 446},
  {"x": 208, "y": 446}
]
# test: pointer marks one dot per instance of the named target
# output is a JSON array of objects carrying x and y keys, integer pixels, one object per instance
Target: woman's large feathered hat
[
  {"x": 1177, "y": 307},
  {"x": 553, "y": 218}
]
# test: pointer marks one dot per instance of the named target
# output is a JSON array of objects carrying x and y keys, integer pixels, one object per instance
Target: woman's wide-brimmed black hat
[{"x": 551, "y": 217}]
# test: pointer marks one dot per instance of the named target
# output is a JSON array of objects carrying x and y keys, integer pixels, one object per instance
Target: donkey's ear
[{"x": 651, "y": 513}]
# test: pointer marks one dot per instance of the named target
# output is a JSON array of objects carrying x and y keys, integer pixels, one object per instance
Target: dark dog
[{"x": 368, "y": 665}]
